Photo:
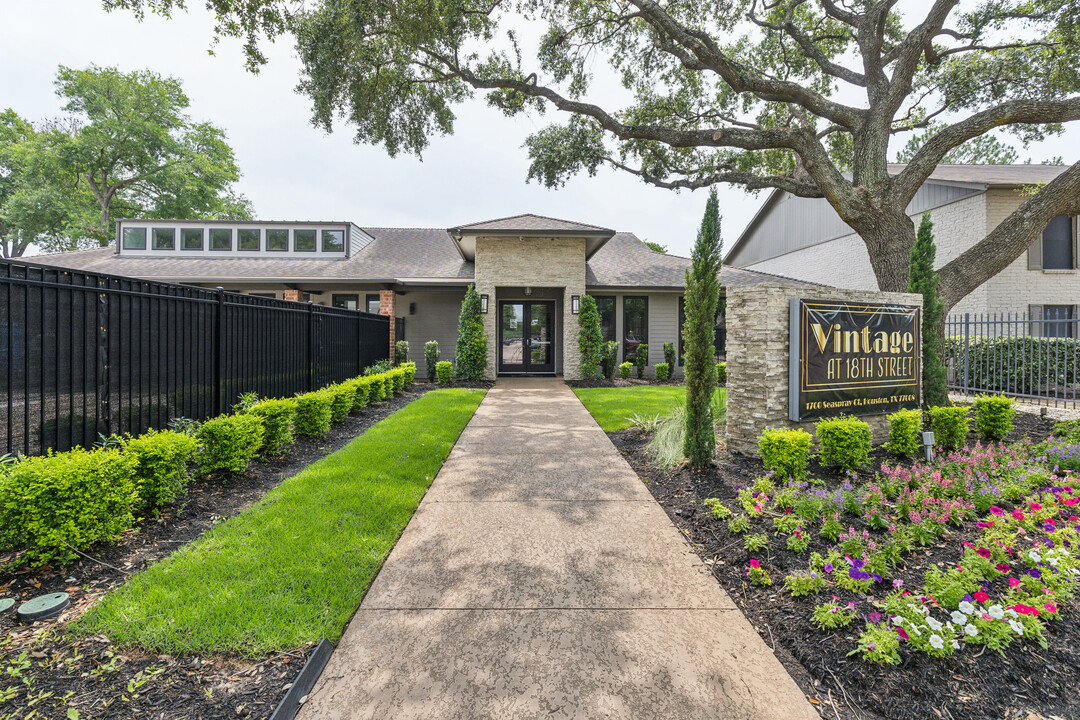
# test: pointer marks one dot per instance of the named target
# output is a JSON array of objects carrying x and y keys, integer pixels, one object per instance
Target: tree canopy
[
  {"x": 804, "y": 96},
  {"x": 126, "y": 147}
]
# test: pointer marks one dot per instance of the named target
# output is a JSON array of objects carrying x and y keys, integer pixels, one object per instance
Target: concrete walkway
[{"x": 539, "y": 579}]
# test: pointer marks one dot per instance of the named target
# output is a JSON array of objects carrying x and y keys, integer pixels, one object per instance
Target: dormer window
[
  {"x": 134, "y": 238},
  {"x": 333, "y": 240},
  {"x": 164, "y": 238},
  {"x": 248, "y": 240},
  {"x": 277, "y": 240},
  {"x": 221, "y": 239},
  {"x": 191, "y": 239},
  {"x": 304, "y": 240},
  {"x": 241, "y": 238}
]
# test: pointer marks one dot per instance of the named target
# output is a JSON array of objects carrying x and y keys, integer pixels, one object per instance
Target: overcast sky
[{"x": 293, "y": 171}]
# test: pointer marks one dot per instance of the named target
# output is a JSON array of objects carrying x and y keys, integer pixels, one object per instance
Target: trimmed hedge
[
  {"x": 1014, "y": 364},
  {"x": 721, "y": 372},
  {"x": 950, "y": 426},
  {"x": 56, "y": 504},
  {"x": 845, "y": 442},
  {"x": 431, "y": 358},
  {"x": 785, "y": 452},
  {"x": 663, "y": 371},
  {"x": 444, "y": 369},
  {"x": 161, "y": 467},
  {"x": 409, "y": 369},
  {"x": 229, "y": 443},
  {"x": 994, "y": 416},
  {"x": 624, "y": 370},
  {"x": 905, "y": 432},
  {"x": 313, "y": 413},
  {"x": 277, "y": 417},
  {"x": 641, "y": 359},
  {"x": 342, "y": 398}
]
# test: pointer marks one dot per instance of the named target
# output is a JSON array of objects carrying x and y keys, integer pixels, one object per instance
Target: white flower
[
  {"x": 1012, "y": 613},
  {"x": 915, "y": 629},
  {"x": 1034, "y": 556},
  {"x": 955, "y": 644},
  {"x": 1052, "y": 559},
  {"x": 934, "y": 624},
  {"x": 971, "y": 630},
  {"x": 1017, "y": 627},
  {"x": 958, "y": 617},
  {"x": 937, "y": 642},
  {"x": 966, "y": 607},
  {"x": 996, "y": 611},
  {"x": 897, "y": 620}
]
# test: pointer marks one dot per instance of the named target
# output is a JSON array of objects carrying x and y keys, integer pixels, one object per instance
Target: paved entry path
[{"x": 539, "y": 579}]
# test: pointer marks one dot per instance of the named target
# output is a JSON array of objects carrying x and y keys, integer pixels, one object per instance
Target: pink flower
[
  {"x": 1018, "y": 514},
  {"x": 997, "y": 511},
  {"x": 1013, "y": 582},
  {"x": 1050, "y": 607},
  {"x": 981, "y": 597},
  {"x": 902, "y": 633},
  {"x": 754, "y": 563},
  {"x": 1002, "y": 567},
  {"x": 1071, "y": 501},
  {"x": 983, "y": 552}
]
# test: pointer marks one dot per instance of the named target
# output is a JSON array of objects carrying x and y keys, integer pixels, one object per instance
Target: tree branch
[{"x": 749, "y": 180}]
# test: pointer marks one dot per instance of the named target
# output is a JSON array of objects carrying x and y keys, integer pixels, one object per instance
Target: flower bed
[{"x": 908, "y": 592}]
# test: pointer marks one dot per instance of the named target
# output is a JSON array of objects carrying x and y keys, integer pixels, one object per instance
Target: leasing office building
[{"x": 530, "y": 271}]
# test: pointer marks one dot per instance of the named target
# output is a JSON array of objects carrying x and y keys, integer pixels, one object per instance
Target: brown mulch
[
  {"x": 104, "y": 681},
  {"x": 1027, "y": 682}
]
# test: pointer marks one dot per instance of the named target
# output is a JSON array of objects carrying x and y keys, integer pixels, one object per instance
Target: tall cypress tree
[
  {"x": 471, "y": 350},
  {"x": 590, "y": 339},
  {"x": 699, "y": 333},
  {"x": 923, "y": 280}
]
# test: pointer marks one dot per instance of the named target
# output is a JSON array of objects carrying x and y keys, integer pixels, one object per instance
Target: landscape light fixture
[
  {"x": 575, "y": 304},
  {"x": 483, "y": 303},
  {"x": 928, "y": 445}
]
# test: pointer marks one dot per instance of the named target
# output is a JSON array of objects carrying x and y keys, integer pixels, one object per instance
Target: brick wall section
[
  {"x": 532, "y": 262},
  {"x": 293, "y": 295},
  {"x": 388, "y": 306},
  {"x": 757, "y": 358}
]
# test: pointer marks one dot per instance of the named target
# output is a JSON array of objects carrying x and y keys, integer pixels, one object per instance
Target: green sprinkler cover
[{"x": 43, "y": 607}]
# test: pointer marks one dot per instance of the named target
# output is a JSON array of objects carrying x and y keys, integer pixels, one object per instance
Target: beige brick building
[{"x": 805, "y": 239}]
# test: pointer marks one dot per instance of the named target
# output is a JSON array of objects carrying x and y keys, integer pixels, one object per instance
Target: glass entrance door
[{"x": 526, "y": 336}]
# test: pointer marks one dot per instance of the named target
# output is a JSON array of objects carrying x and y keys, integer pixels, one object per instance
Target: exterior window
[
  {"x": 606, "y": 307},
  {"x": 333, "y": 241},
  {"x": 372, "y": 301},
  {"x": 304, "y": 240},
  {"x": 134, "y": 238},
  {"x": 682, "y": 324},
  {"x": 349, "y": 302},
  {"x": 164, "y": 238},
  {"x": 1057, "y": 244},
  {"x": 277, "y": 240},
  {"x": 221, "y": 239},
  {"x": 1059, "y": 321},
  {"x": 191, "y": 239},
  {"x": 264, "y": 295},
  {"x": 249, "y": 239},
  {"x": 635, "y": 324}
]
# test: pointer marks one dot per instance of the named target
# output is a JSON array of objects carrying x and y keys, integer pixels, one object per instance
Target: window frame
[
  {"x": 645, "y": 324},
  {"x": 334, "y": 299},
  {"x": 258, "y": 239},
  {"x": 1070, "y": 224},
  {"x": 183, "y": 239},
  {"x": 277, "y": 230},
  {"x": 210, "y": 239},
  {"x": 615, "y": 316},
  {"x": 314, "y": 240},
  {"x": 124, "y": 238},
  {"x": 172, "y": 239},
  {"x": 680, "y": 319},
  {"x": 322, "y": 239},
  {"x": 367, "y": 302}
]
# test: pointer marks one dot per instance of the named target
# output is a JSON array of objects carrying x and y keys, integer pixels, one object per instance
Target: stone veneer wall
[
  {"x": 758, "y": 319},
  {"x": 532, "y": 262}
]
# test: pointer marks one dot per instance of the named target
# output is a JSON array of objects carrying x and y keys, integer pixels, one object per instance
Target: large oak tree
[{"x": 800, "y": 95}]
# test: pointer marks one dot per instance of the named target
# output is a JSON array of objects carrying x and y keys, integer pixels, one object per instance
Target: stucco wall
[
  {"x": 436, "y": 319},
  {"x": 758, "y": 327},
  {"x": 532, "y": 262}
]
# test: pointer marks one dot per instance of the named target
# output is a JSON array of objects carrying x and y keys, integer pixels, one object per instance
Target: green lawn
[
  {"x": 293, "y": 567},
  {"x": 613, "y": 406}
]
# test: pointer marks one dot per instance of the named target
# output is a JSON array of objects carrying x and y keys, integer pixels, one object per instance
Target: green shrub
[
  {"x": 342, "y": 397},
  {"x": 718, "y": 509},
  {"x": 229, "y": 443},
  {"x": 51, "y": 504},
  {"x": 663, "y": 372},
  {"x": 905, "y": 427},
  {"x": 277, "y": 418},
  {"x": 721, "y": 372},
  {"x": 590, "y": 338},
  {"x": 313, "y": 412},
  {"x": 756, "y": 542},
  {"x": 624, "y": 370},
  {"x": 1067, "y": 429},
  {"x": 431, "y": 358},
  {"x": 401, "y": 352},
  {"x": 785, "y": 452},
  {"x": 669, "y": 354},
  {"x": 471, "y": 351},
  {"x": 994, "y": 416},
  {"x": 361, "y": 392},
  {"x": 397, "y": 377},
  {"x": 641, "y": 360},
  {"x": 161, "y": 467},
  {"x": 609, "y": 359},
  {"x": 409, "y": 371},
  {"x": 445, "y": 371},
  {"x": 950, "y": 425},
  {"x": 845, "y": 442}
]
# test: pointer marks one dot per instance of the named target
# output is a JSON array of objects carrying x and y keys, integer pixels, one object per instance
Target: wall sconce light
[
  {"x": 928, "y": 445},
  {"x": 528, "y": 291},
  {"x": 575, "y": 304},
  {"x": 483, "y": 303},
  {"x": 412, "y": 308}
]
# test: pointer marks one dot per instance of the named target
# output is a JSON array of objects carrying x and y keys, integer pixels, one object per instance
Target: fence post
[
  {"x": 967, "y": 350},
  {"x": 359, "y": 340},
  {"x": 104, "y": 419},
  {"x": 311, "y": 346},
  {"x": 219, "y": 345}
]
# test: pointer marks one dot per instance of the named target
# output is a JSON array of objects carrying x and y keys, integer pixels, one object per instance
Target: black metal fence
[
  {"x": 85, "y": 354},
  {"x": 1014, "y": 354}
]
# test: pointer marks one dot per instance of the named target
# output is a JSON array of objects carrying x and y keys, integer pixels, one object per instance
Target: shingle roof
[
  {"x": 1019, "y": 174},
  {"x": 530, "y": 223}
]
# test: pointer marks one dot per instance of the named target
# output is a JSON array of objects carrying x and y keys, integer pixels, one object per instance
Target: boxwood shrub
[
  {"x": 313, "y": 413},
  {"x": 361, "y": 390},
  {"x": 641, "y": 359},
  {"x": 624, "y": 370},
  {"x": 409, "y": 369},
  {"x": 229, "y": 443},
  {"x": 663, "y": 371},
  {"x": 444, "y": 370},
  {"x": 397, "y": 376},
  {"x": 905, "y": 428},
  {"x": 721, "y": 372},
  {"x": 845, "y": 442},
  {"x": 950, "y": 426},
  {"x": 994, "y": 416},
  {"x": 161, "y": 467},
  {"x": 342, "y": 398},
  {"x": 58, "y": 503},
  {"x": 277, "y": 417},
  {"x": 785, "y": 452}
]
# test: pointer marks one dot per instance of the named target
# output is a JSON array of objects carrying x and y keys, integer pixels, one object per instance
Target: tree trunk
[{"x": 889, "y": 236}]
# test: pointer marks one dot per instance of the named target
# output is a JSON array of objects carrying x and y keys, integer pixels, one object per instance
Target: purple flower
[
  {"x": 968, "y": 598},
  {"x": 877, "y": 578},
  {"x": 897, "y": 583},
  {"x": 874, "y": 617},
  {"x": 828, "y": 567}
]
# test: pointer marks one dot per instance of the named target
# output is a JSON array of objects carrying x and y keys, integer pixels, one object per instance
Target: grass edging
[{"x": 292, "y": 568}]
